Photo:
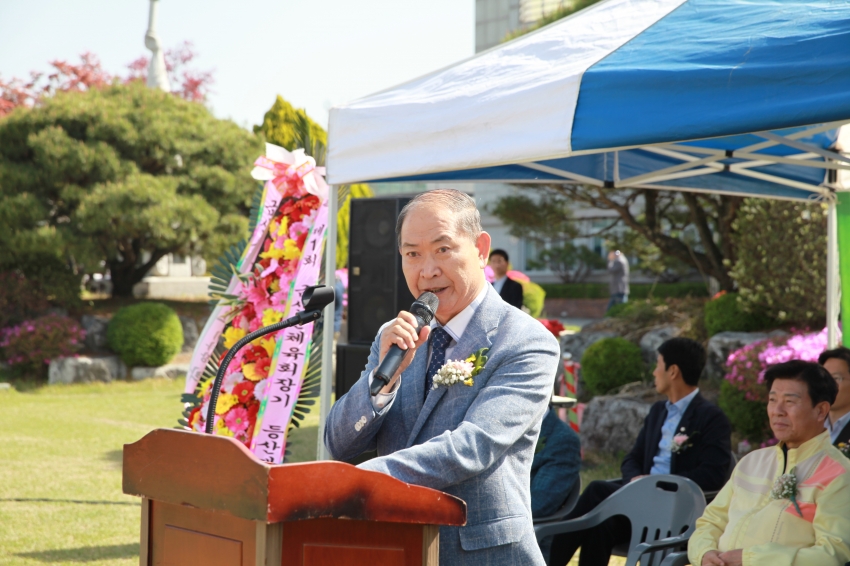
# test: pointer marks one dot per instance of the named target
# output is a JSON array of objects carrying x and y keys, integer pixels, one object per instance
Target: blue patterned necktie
[{"x": 440, "y": 340}]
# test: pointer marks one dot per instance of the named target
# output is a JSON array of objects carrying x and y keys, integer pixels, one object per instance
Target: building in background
[{"x": 495, "y": 19}]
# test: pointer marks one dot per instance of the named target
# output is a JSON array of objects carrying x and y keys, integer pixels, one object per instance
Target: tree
[
  {"x": 123, "y": 174},
  {"x": 292, "y": 128},
  {"x": 88, "y": 73},
  {"x": 548, "y": 221},
  {"x": 694, "y": 228},
  {"x": 781, "y": 261},
  {"x": 555, "y": 15}
]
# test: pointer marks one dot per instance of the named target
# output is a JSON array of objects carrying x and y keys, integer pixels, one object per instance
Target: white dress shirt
[
  {"x": 455, "y": 327},
  {"x": 499, "y": 283}
]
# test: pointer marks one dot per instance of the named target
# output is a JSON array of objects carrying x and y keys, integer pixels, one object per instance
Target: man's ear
[
  {"x": 483, "y": 244},
  {"x": 675, "y": 372},
  {"x": 822, "y": 410}
]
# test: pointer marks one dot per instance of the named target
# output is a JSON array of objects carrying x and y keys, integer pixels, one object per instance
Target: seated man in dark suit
[
  {"x": 554, "y": 469},
  {"x": 685, "y": 435},
  {"x": 508, "y": 289},
  {"x": 837, "y": 363}
]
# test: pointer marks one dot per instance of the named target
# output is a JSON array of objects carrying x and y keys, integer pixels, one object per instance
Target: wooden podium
[{"x": 207, "y": 501}]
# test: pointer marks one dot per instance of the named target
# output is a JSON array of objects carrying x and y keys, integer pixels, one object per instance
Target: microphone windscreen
[{"x": 430, "y": 300}]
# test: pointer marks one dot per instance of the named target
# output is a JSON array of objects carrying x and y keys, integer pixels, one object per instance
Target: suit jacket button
[{"x": 358, "y": 425}]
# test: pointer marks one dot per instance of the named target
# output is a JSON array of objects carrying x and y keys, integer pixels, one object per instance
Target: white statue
[{"x": 157, "y": 74}]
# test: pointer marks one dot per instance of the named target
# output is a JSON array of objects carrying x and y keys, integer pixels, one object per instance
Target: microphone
[{"x": 423, "y": 310}]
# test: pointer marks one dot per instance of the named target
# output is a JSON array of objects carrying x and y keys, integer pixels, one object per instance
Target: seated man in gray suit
[{"x": 474, "y": 439}]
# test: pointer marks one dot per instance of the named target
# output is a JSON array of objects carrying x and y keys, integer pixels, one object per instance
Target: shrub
[
  {"x": 780, "y": 263},
  {"x": 743, "y": 395},
  {"x": 638, "y": 290},
  {"x": 19, "y": 299},
  {"x": 29, "y": 346},
  {"x": 49, "y": 276},
  {"x": 724, "y": 313},
  {"x": 748, "y": 417},
  {"x": 146, "y": 334},
  {"x": 533, "y": 297},
  {"x": 611, "y": 363}
]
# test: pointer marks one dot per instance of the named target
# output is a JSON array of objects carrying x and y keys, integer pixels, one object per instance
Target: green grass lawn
[{"x": 60, "y": 469}]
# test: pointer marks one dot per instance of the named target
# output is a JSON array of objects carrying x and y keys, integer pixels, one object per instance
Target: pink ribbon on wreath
[{"x": 290, "y": 170}]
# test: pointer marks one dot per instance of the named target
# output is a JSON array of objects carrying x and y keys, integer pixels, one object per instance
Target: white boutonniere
[
  {"x": 785, "y": 487},
  {"x": 844, "y": 448},
  {"x": 682, "y": 441},
  {"x": 461, "y": 371}
]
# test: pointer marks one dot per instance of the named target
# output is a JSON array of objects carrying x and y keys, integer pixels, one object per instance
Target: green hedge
[
  {"x": 725, "y": 314},
  {"x": 638, "y": 290},
  {"x": 611, "y": 363},
  {"x": 146, "y": 334},
  {"x": 533, "y": 296},
  {"x": 748, "y": 418}
]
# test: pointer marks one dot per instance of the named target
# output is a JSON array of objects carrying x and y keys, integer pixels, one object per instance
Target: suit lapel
[{"x": 473, "y": 338}]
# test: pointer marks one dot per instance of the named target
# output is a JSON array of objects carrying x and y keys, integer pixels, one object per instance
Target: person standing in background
[
  {"x": 618, "y": 268},
  {"x": 508, "y": 289}
]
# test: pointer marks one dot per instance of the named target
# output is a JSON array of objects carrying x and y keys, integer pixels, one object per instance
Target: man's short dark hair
[
  {"x": 500, "y": 252},
  {"x": 688, "y": 354},
  {"x": 821, "y": 385},
  {"x": 840, "y": 353}
]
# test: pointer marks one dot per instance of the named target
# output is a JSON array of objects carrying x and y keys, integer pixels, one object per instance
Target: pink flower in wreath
[{"x": 236, "y": 420}]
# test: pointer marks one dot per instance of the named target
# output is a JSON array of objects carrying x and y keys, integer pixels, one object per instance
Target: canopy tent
[{"x": 743, "y": 97}]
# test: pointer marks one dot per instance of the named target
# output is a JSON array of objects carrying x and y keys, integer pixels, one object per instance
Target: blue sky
[{"x": 315, "y": 53}]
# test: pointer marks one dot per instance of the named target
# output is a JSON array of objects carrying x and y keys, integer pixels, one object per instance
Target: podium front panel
[
  {"x": 185, "y": 536},
  {"x": 325, "y": 542}
]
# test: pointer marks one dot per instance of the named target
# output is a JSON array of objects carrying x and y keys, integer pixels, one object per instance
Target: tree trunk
[{"x": 125, "y": 273}]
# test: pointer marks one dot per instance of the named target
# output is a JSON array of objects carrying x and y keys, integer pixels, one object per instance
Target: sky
[{"x": 314, "y": 53}]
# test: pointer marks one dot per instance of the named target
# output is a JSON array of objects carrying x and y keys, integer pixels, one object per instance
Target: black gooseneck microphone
[
  {"x": 313, "y": 298},
  {"x": 423, "y": 309}
]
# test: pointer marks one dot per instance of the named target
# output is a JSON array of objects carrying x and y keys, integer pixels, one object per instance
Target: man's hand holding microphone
[{"x": 401, "y": 340}]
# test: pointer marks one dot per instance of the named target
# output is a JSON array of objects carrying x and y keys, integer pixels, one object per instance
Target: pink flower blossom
[{"x": 236, "y": 420}]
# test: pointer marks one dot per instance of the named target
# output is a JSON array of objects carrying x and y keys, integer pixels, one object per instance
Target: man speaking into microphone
[{"x": 470, "y": 428}]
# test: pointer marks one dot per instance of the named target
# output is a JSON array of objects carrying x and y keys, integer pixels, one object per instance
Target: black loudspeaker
[
  {"x": 377, "y": 290},
  {"x": 350, "y": 362}
]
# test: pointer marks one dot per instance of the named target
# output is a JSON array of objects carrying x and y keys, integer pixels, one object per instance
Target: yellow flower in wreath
[
  {"x": 268, "y": 345},
  {"x": 271, "y": 316},
  {"x": 225, "y": 403},
  {"x": 232, "y": 336},
  {"x": 250, "y": 372},
  {"x": 221, "y": 428},
  {"x": 290, "y": 250}
]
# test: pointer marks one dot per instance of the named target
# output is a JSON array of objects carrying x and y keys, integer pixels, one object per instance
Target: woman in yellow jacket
[{"x": 788, "y": 504}]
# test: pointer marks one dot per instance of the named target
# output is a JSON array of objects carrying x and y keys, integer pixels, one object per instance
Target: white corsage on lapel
[{"x": 457, "y": 371}]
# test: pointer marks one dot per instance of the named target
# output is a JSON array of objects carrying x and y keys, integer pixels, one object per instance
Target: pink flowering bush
[
  {"x": 29, "y": 346},
  {"x": 743, "y": 394}
]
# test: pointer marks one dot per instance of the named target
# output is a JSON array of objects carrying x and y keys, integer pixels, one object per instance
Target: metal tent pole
[
  {"x": 328, "y": 337},
  {"x": 832, "y": 276}
]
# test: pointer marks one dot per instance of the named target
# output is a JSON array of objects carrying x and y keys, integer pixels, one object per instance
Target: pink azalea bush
[
  {"x": 743, "y": 395},
  {"x": 32, "y": 344}
]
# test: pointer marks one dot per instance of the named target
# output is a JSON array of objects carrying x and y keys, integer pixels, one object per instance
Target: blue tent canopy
[{"x": 739, "y": 96}]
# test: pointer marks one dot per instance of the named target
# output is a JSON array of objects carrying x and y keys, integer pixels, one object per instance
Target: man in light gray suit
[{"x": 473, "y": 441}]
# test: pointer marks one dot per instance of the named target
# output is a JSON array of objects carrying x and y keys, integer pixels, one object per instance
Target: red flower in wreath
[{"x": 244, "y": 391}]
